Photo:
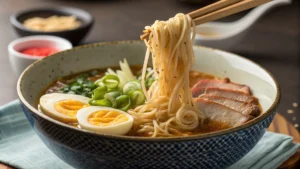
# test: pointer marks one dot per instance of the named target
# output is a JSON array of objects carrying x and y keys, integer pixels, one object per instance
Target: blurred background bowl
[
  {"x": 20, "y": 61},
  {"x": 74, "y": 35}
]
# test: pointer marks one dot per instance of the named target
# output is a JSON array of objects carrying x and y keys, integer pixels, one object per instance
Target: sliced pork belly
[
  {"x": 230, "y": 94},
  {"x": 221, "y": 113},
  {"x": 221, "y": 84},
  {"x": 242, "y": 107},
  {"x": 196, "y": 92}
]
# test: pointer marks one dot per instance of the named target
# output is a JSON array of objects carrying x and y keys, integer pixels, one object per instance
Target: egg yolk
[
  {"x": 106, "y": 118},
  {"x": 69, "y": 107}
]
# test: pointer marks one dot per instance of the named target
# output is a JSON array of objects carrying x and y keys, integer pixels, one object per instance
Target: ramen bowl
[{"x": 85, "y": 149}]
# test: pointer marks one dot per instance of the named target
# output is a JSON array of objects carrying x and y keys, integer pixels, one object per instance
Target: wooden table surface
[
  {"x": 272, "y": 42},
  {"x": 280, "y": 125}
]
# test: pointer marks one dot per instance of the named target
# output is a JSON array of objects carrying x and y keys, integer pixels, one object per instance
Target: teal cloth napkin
[{"x": 20, "y": 146}]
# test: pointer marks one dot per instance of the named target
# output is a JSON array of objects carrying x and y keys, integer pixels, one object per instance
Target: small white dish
[
  {"x": 20, "y": 61},
  {"x": 226, "y": 35}
]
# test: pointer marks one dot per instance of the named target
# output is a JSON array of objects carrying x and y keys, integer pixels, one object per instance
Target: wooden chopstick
[
  {"x": 212, "y": 7},
  {"x": 228, "y": 10},
  {"x": 219, "y": 10}
]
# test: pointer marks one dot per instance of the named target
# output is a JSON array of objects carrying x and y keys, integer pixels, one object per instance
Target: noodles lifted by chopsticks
[{"x": 169, "y": 109}]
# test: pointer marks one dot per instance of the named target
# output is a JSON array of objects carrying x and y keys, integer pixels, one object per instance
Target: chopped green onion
[
  {"x": 123, "y": 102},
  {"x": 99, "y": 82},
  {"x": 137, "y": 97},
  {"x": 99, "y": 93},
  {"x": 65, "y": 89},
  {"x": 80, "y": 85},
  {"x": 124, "y": 73},
  {"x": 149, "y": 82},
  {"x": 72, "y": 84},
  {"x": 102, "y": 102},
  {"x": 80, "y": 81},
  {"x": 86, "y": 89},
  {"x": 76, "y": 88},
  {"x": 111, "y": 81},
  {"x": 132, "y": 85},
  {"x": 111, "y": 90},
  {"x": 71, "y": 92},
  {"x": 93, "y": 86},
  {"x": 111, "y": 96},
  {"x": 83, "y": 76}
]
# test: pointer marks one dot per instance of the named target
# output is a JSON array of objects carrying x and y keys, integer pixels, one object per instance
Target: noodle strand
[{"x": 169, "y": 109}]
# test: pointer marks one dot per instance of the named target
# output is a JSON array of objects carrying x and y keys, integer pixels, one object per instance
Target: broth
[
  {"x": 93, "y": 75},
  {"x": 58, "y": 84}
]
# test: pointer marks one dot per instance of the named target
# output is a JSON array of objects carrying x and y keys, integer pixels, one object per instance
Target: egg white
[
  {"x": 116, "y": 129},
  {"x": 47, "y": 102}
]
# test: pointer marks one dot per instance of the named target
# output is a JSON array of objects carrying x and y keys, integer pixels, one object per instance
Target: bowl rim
[
  {"x": 15, "y": 22},
  {"x": 55, "y": 39},
  {"x": 262, "y": 117}
]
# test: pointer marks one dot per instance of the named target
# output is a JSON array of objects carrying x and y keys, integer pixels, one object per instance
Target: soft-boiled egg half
[
  {"x": 104, "y": 120},
  {"x": 63, "y": 107}
]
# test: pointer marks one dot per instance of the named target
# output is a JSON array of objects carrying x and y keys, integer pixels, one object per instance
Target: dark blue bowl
[{"x": 85, "y": 149}]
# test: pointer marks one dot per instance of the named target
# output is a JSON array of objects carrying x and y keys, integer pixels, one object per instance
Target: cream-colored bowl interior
[
  {"x": 239, "y": 70},
  {"x": 222, "y": 64}
]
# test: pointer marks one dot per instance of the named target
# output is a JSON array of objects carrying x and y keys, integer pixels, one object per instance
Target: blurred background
[{"x": 272, "y": 41}]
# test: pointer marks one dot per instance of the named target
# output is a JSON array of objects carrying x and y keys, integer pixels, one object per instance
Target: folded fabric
[
  {"x": 270, "y": 152},
  {"x": 20, "y": 146}
]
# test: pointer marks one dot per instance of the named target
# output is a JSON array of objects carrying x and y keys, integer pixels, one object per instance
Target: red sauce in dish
[{"x": 40, "y": 51}]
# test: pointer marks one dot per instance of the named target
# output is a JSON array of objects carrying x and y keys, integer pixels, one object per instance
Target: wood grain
[
  {"x": 212, "y": 7},
  {"x": 279, "y": 125},
  {"x": 217, "y": 11},
  {"x": 229, "y": 10}
]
